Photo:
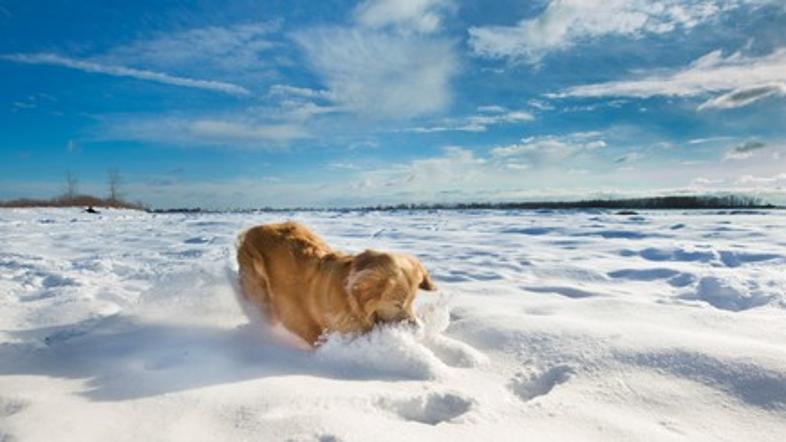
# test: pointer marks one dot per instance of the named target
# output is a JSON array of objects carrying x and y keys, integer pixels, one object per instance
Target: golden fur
[{"x": 296, "y": 279}]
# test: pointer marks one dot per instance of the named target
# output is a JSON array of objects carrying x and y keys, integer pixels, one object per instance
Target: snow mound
[
  {"x": 390, "y": 352},
  {"x": 400, "y": 351},
  {"x": 729, "y": 294}
]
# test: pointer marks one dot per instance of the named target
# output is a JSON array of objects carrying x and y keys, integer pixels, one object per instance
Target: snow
[{"x": 548, "y": 325}]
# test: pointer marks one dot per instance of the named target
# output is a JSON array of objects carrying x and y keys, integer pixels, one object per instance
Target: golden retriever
[{"x": 297, "y": 280}]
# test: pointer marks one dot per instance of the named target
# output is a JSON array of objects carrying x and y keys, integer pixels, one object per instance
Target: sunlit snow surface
[{"x": 547, "y": 326}]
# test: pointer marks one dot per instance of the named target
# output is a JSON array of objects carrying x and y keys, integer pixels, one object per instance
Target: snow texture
[{"x": 549, "y": 325}]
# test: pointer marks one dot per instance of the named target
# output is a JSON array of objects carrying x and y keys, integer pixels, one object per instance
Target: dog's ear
[
  {"x": 365, "y": 280},
  {"x": 426, "y": 283}
]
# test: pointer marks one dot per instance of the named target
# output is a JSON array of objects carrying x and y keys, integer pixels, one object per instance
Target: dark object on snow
[
  {"x": 627, "y": 212},
  {"x": 91, "y": 210}
]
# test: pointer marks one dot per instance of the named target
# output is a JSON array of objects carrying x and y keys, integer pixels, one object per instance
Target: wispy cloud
[
  {"x": 229, "y": 132},
  {"x": 489, "y": 116},
  {"x": 707, "y": 140},
  {"x": 750, "y": 78},
  {"x": 778, "y": 180},
  {"x": 468, "y": 171},
  {"x": 744, "y": 96},
  {"x": 33, "y": 101},
  {"x": 744, "y": 150},
  {"x": 629, "y": 157},
  {"x": 424, "y": 176},
  {"x": 122, "y": 71},
  {"x": 404, "y": 15},
  {"x": 523, "y": 170},
  {"x": 227, "y": 49},
  {"x": 284, "y": 90},
  {"x": 248, "y": 132},
  {"x": 344, "y": 166},
  {"x": 564, "y": 23},
  {"x": 538, "y": 151},
  {"x": 379, "y": 74}
]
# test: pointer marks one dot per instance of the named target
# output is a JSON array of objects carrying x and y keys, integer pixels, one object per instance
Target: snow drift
[{"x": 549, "y": 326}]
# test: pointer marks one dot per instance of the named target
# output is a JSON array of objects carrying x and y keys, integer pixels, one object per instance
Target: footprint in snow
[
  {"x": 568, "y": 292},
  {"x": 532, "y": 385},
  {"x": 454, "y": 353},
  {"x": 653, "y": 274},
  {"x": 10, "y": 407},
  {"x": 431, "y": 409},
  {"x": 198, "y": 240}
]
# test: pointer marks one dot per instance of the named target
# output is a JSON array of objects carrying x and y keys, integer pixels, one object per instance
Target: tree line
[
  {"x": 71, "y": 197},
  {"x": 685, "y": 202}
]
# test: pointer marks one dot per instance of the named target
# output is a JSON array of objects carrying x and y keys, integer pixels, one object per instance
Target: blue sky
[{"x": 226, "y": 104}]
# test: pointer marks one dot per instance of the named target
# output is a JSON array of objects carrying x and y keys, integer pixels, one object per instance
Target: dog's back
[{"x": 273, "y": 258}]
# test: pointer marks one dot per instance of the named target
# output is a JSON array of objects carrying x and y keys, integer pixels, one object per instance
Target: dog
[{"x": 298, "y": 281}]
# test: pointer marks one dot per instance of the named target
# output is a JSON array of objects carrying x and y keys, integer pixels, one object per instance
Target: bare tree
[
  {"x": 114, "y": 184},
  {"x": 71, "y": 184}
]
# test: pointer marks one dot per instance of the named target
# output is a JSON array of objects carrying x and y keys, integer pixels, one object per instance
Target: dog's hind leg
[{"x": 256, "y": 289}]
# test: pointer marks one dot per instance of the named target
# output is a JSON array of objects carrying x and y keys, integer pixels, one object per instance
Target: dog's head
[{"x": 382, "y": 286}]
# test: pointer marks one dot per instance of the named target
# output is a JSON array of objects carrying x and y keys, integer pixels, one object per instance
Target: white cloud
[
  {"x": 705, "y": 182},
  {"x": 491, "y": 109},
  {"x": 540, "y": 105},
  {"x": 301, "y": 104},
  {"x": 744, "y": 150},
  {"x": 405, "y": 15},
  {"x": 630, "y": 157},
  {"x": 707, "y": 140},
  {"x": 383, "y": 65},
  {"x": 467, "y": 174},
  {"x": 750, "y": 146},
  {"x": 778, "y": 180},
  {"x": 18, "y": 105},
  {"x": 564, "y": 23},
  {"x": 122, "y": 71},
  {"x": 536, "y": 168},
  {"x": 378, "y": 74},
  {"x": 547, "y": 149},
  {"x": 229, "y": 130},
  {"x": 344, "y": 166},
  {"x": 518, "y": 166},
  {"x": 744, "y": 96},
  {"x": 283, "y": 90},
  {"x": 233, "y": 52},
  {"x": 740, "y": 79},
  {"x": 592, "y": 145},
  {"x": 425, "y": 176},
  {"x": 218, "y": 48},
  {"x": 238, "y": 132},
  {"x": 490, "y": 116}
]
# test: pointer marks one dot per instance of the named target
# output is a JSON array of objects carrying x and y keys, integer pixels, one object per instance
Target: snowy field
[{"x": 547, "y": 326}]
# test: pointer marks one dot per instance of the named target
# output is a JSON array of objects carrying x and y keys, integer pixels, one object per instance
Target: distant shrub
[{"x": 72, "y": 201}]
